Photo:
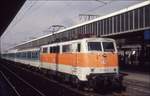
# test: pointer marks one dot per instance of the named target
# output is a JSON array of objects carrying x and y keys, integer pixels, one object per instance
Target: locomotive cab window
[
  {"x": 94, "y": 46},
  {"x": 108, "y": 46}
]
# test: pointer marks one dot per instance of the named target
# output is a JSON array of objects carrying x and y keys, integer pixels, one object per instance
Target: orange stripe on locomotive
[{"x": 81, "y": 59}]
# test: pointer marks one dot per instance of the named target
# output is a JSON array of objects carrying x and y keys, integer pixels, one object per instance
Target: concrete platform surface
[{"x": 141, "y": 77}]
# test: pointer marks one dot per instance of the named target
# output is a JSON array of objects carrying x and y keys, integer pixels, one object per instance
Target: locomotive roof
[{"x": 79, "y": 40}]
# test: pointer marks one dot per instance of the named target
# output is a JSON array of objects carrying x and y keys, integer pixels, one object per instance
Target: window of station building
[
  {"x": 141, "y": 12},
  {"x": 131, "y": 20},
  {"x": 90, "y": 28},
  {"x": 136, "y": 20},
  {"x": 45, "y": 50},
  {"x": 99, "y": 28},
  {"x": 55, "y": 49},
  {"x": 69, "y": 34},
  {"x": 115, "y": 24},
  {"x": 102, "y": 27},
  {"x": 95, "y": 28},
  {"x": 83, "y": 28},
  {"x": 80, "y": 30},
  {"x": 105, "y": 26},
  {"x": 122, "y": 22},
  {"x": 87, "y": 28},
  {"x": 66, "y": 48},
  {"x": 128, "y": 13},
  {"x": 110, "y": 25},
  {"x": 126, "y": 21},
  {"x": 147, "y": 15},
  {"x": 118, "y": 23}
]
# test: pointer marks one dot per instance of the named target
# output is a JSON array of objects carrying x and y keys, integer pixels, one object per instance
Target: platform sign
[{"x": 147, "y": 35}]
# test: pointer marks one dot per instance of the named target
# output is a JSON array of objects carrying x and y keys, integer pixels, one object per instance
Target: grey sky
[{"x": 36, "y": 16}]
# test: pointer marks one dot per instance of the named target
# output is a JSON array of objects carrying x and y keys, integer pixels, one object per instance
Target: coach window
[
  {"x": 55, "y": 49},
  {"x": 24, "y": 54},
  {"x": 45, "y": 50},
  {"x": 51, "y": 49},
  {"x": 34, "y": 55},
  {"x": 29, "y": 55}
]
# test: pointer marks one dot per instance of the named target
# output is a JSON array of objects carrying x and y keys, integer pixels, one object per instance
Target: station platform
[
  {"x": 141, "y": 77},
  {"x": 137, "y": 84}
]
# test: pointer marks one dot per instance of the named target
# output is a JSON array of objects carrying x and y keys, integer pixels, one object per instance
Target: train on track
[{"x": 91, "y": 62}]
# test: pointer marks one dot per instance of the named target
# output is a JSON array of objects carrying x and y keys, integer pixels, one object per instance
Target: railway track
[
  {"x": 19, "y": 85},
  {"x": 6, "y": 87},
  {"x": 46, "y": 86}
]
